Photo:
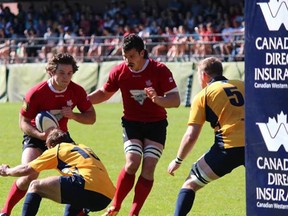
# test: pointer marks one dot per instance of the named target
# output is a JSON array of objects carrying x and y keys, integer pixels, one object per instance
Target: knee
[
  {"x": 34, "y": 186},
  {"x": 149, "y": 165},
  {"x": 132, "y": 166},
  {"x": 148, "y": 169},
  {"x": 190, "y": 183},
  {"x": 23, "y": 182}
]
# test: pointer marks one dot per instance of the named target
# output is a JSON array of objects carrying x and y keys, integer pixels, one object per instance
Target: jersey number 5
[{"x": 235, "y": 96}]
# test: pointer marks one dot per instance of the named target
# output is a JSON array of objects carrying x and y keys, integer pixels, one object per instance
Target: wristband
[{"x": 178, "y": 160}]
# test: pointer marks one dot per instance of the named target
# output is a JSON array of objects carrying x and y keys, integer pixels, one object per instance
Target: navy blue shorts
[
  {"x": 155, "y": 131},
  {"x": 223, "y": 161},
  {"x": 73, "y": 193},
  {"x": 32, "y": 142}
]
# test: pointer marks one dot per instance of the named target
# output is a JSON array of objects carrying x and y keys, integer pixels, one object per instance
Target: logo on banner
[
  {"x": 275, "y": 132},
  {"x": 275, "y": 13}
]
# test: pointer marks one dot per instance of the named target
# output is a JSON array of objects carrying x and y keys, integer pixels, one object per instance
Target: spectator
[
  {"x": 108, "y": 45},
  {"x": 61, "y": 48},
  {"x": 41, "y": 27},
  {"x": 31, "y": 46},
  {"x": 69, "y": 39},
  {"x": 212, "y": 37},
  {"x": 163, "y": 42},
  {"x": 189, "y": 22},
  {"x": 108, "y": 22},
  {"x": 203, "y": 47},
  {"x": 85, "y": 24},
  {"x": 118, "y": 13},
  {"x": 197, "y": 7},
  {"x": 50, "y": 41},
  {"x": 81, "y": 46},
  {"x": 179, "y": 46},
  {"x": 125, "y": 9},
  {"x": 95, "y": 48},
  {"x": 239, "y": 43},
  {"x": 228, "y": 38}
]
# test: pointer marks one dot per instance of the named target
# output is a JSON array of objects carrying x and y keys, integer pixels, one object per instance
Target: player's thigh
[
  {"x": 223, "y": 161},
  {"x": 73, "y": 192},
  {"x": 30, "y": 154},
  {"x": 202, "y": 164}
]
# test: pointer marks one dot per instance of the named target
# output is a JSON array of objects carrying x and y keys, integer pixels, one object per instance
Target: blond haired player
[{"x": 221, "y": 103}]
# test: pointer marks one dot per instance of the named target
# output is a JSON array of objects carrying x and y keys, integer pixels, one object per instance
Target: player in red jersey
[
  {"x": 84, "y": 183},
  {"x": 147, "y": 88},
  {"x": 59, "y": 95}
]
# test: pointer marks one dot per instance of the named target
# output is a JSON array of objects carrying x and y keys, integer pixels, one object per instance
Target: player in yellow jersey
[
  {"x": 84, "y": 184},
  {"x": 221, "y": 103}
]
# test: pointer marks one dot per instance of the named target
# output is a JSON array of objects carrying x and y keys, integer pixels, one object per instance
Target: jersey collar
[{"x": 49, "y": 81}]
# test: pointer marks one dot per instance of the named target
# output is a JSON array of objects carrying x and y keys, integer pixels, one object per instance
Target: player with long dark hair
[{"x": 147, "y": 88}]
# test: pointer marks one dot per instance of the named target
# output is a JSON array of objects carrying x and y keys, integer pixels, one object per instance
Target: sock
[
  {"x": 14, "y": 196},
  {"x": 72, "y": 210},
  {"x": 142, "y": 190},
  {"x": 31, "y": 204},
  {"x": 184, "y": 202},
  {"x": 124, "y": 184}
]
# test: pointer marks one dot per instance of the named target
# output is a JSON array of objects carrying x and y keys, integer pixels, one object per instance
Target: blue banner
[{"x": 266, "y": 109}]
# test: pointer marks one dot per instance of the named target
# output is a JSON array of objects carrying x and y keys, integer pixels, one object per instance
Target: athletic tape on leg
[
  {"x": 130, "y": 147},
  {"x": 198, "y": 175},
  {"x": 152, "y": 151}
]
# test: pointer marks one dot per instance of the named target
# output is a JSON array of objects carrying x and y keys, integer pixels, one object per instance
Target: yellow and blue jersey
[
  {"x": 70, "y": 159},
  {"x": 221, "y": 103}
]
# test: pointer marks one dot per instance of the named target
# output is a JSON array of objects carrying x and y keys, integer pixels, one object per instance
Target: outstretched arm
[
  {"x": 99, "y": 96},
  {"x": 187, "y": 143},
  {"x": 20, "y": 170}
]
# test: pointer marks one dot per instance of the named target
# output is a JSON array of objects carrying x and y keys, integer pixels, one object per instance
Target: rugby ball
[{"x": 45, "y": 120}]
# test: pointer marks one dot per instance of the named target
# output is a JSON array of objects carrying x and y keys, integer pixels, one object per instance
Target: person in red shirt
[
  {"x": 58, "y": 95},
  {"x": 147, "y": 88}
]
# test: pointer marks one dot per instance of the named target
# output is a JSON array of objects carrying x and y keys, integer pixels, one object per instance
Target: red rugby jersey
[
  {"x": 137, "y": 106},
  {"x": 43, "y": 97}
]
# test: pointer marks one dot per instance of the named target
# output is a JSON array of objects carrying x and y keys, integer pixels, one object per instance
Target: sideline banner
[{"x": 266, "y": 76}]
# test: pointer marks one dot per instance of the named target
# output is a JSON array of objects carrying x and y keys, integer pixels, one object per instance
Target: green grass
[{"x": 224, "y": 197}]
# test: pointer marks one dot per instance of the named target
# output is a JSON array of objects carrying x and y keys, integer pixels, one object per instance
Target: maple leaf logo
[
  {"x": 275, "y": 13},
  {"x": 275, "y": 132}
]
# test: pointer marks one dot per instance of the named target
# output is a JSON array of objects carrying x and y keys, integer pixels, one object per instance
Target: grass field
[{"x": 224, "y": 197}]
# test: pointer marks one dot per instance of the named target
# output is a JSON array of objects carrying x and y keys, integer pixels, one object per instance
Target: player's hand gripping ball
[{"x": 45, "y": 120}]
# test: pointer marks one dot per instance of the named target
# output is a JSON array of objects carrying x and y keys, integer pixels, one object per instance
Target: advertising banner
[{"x": 266, "y": 108}]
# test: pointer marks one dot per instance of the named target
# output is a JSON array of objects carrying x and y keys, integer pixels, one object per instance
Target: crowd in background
[{"x": 176, "y": 32}]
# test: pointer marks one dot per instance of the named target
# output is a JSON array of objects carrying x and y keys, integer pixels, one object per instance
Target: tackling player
[
  {"x": 221, "y": 103},
  {"x": 147, "y": 88},
  {"x": 84, "y": 183},
  {"x": 58, "y": 95}
]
